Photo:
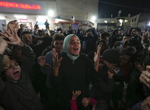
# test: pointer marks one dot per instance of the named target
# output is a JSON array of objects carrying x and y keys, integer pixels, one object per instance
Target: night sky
[{"x": 105, "y": 10}]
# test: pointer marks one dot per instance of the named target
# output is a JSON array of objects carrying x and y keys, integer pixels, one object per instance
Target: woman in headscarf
[{"x": 72, "y": 72}]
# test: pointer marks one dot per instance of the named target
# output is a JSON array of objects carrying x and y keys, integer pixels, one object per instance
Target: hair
[
  {"x": 40, "y": 31},
  {"x": 129, "y": 35},
  {"x": 25, "y": 32},
  {"x": 89, "y": 30},
  {"x": 138, "y": 29},
  {"x": 104, "y": 35},
  {"x": 129, "y": 52},
  {"x": 13, "y": 58},
  {"x": 102, "y": 104},
  {"x": 58, "y": 36},
  {"x": 101, "y": 41},
  {"x": 134, "y": 41}
]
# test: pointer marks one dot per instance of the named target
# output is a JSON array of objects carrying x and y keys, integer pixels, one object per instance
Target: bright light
[
  {"x": 50, "y": 13},
  {"x": 126, "y": 21},
  {"x": 105, "y": 21},
  {"x": 112, "y": 21},
  {"x": 121, "y": 21},
  {"x": 94, "y": 18},
  {"x": 149, "y": 24},
  {"x": 20, "y": 16}
]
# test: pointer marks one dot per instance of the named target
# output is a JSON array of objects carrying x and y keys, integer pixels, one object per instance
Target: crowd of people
[{"x": 74, "y": 69}]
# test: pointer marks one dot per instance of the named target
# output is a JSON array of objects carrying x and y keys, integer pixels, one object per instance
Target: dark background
[{"x": 105, "y": 10}]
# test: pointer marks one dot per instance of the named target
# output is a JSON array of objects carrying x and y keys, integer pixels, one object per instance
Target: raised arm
[
  {"x": 94, "y": 32},
  {"x": 26, "y": 50},
  {"x": 3, "y": 46}
]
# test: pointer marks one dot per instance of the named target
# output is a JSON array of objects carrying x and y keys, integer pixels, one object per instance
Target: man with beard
[
  {"x": 38, "y": 79},
  {"x": 38, "y": 49}
]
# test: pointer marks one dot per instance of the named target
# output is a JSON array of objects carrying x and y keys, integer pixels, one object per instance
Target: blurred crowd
[{"x": 74, "y": 69}]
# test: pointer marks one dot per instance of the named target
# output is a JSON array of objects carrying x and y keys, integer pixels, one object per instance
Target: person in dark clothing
[
  {"x": 16, "y": 91},
  {"x": 89, "y": 40},
  {"x": 72, "y": 74},
  {"x": 102, "y": 104},
  {"x": 38, "y": 49},
  {"x": 46, "y": 62},
  {"x": 105, "y": 36},
  {"x": 136, "y": 31},
  {"x": 102, "y": 43},
  {"x": 20, "y": 30},
  {"x": 37, "y": 77},
  {"x": 47, "y": 25},
  {"x": 111, "y": 38},
  {"x": 104, "y": 85}
]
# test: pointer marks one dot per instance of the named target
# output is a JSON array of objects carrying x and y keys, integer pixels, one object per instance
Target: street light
[
  {"x": 93, "y": 18},
  {"x": 20, "y": 16},
  {"x": 50, "y": 13}
]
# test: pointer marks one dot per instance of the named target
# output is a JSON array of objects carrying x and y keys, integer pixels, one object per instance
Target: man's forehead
[
  {"x": 59, "y": 41},
  {"x": 27, "y": 35}
]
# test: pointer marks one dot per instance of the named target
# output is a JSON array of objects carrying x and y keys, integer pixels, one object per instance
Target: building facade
[
  {"x": 141, "y": 21},
  {"x": 29, "y": 12}
]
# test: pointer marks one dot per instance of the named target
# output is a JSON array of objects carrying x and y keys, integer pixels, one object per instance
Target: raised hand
[
  {"x": 75, "y": 94},
  {"x": 12, "y": 37},
  {"x": 13, "y": 25},
  {"x": 139, "y": 67},
  {"x": 145, "y": 77},
  {"x": 146, "y": 104},
  {"x": 110, "y": 66},
  {"x": 41, "y": 61},
  {"x": 56, "y": 62},
  {"x": 97, "y": 57},
  {"x": 3, "y": 45},
  {"x": 85, "y": 102}
]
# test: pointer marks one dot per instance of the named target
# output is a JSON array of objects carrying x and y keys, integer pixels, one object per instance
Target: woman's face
[{"x": 74, "y": 46}]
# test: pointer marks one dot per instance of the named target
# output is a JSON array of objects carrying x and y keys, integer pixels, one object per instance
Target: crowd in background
[{"x": 74, "y": 69}]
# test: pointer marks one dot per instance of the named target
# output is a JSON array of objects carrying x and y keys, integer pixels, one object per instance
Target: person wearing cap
[{"x": 104, "y": 86}]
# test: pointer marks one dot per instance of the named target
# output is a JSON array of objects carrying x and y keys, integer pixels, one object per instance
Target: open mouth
[
  {"x": 17, "y": 74},
  {"x": 75, "y": 49}
]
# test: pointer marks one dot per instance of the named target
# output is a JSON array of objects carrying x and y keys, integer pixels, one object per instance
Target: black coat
[
  {"x": 19, "y": 95},
  {"x": 73, "y": 75}
]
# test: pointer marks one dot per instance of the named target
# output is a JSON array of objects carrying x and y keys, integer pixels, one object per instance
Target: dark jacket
[
  {"x": 38, "y": 49},
  {"x": 73, "y": 75},
  {"x": 19, "y": 95},
  {"x": 88, "y": 43},
  {"x": 103, "y": 86}
]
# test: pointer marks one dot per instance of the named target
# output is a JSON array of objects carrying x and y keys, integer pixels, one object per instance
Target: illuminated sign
[
  {"x": 23, "y": 20},
  {"x": 19, "y": 5}
]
